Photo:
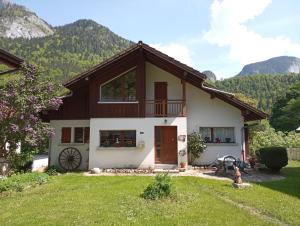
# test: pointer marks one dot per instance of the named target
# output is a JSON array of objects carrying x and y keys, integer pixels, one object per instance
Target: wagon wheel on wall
[{"x": 70, "y": 159}]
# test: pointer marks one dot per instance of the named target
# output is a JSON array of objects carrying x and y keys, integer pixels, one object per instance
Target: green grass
[{"x": 78, "y": 200}]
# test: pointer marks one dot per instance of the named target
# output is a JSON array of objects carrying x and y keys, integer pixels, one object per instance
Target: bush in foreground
[
  {"x": 19, "y": 182},
  {"x": 53, "y": 171},
  {"x": 160, "y": 188},
  {"x": 273, "y": 157}
]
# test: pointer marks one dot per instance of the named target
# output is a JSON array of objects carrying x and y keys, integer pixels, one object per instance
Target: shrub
[
  {"x": 52, "y": 171},
  {"x": 263, "y": 135},
  {"x": 20, "y": 163},
  {"x": 160, "y": 188},
  {"x": 196, "y": 146},
  {"x": 19, "y": 182},
  {"x": 273, "y": 157}
]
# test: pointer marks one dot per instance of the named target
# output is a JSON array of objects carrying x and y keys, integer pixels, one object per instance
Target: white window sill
[
  {"x": 73, "y": 144},
  {"x": 117, "y": 102},
  {"x": 221, "y": 144},
  {"x": 117, "y": 148}
]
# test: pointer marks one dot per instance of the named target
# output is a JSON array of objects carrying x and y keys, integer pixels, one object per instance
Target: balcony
[{"x": 163, "y": 108}]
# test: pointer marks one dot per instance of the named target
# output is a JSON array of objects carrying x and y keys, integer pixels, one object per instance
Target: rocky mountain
[
  {"x": 276, "y": 65},
  {"x": 210, "y": 75},
  {"x": 17, "y": 21},
  {"x": 59, "y": 52}
]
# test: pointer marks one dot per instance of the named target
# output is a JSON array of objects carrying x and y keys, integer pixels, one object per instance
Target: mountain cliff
[
  {"x": 276, "y": 65},
  {"x": 210, "y": 75},
  {"x": 16, "y": 21}
]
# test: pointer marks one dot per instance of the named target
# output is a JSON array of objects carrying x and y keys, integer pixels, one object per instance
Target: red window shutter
[
  {"x": 86, "y": 134},
  {"x": 66, "y": 135}
]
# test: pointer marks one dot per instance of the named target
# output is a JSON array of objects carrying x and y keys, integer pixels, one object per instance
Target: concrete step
[{"x": 166, "y": 166}]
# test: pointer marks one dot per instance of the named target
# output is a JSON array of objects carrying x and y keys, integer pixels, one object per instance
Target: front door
[
  {"x": 161, "y": 98},
  {"x": 166, "y": 144}
]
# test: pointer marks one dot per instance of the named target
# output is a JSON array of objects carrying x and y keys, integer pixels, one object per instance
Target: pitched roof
[
  {"x": 249, "y": 112},
  {"x": 10, "y": 59},
  {"x": 193, "y": 76},
  {"x": 136, "y": 47}
]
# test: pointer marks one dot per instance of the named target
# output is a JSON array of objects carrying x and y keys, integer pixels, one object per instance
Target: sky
[{"x": 217, "y": 35}]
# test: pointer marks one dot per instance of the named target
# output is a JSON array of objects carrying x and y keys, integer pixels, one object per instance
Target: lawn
[{"x": 74, "y": 199}]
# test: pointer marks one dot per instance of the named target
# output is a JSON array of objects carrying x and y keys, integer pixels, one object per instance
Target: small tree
[
  {"x": 196, "y": 146},
  {"x": 22, "y": 101}
]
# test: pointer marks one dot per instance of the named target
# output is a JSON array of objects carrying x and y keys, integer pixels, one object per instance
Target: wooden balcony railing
[{"x": 163, "y": 108}]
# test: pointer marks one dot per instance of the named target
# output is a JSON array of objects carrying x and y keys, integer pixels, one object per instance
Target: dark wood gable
[{"x": 134, "y": 61}]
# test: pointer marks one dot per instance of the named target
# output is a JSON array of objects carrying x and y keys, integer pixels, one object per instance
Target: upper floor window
[
  {"x": 217, "y": 134},
  {"x": 121, "y": 89}
]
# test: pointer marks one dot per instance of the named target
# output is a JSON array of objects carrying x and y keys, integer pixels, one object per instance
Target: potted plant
[
  {"x": 183, "y": 165},
  {"x": 252, "y": 161},
  {"x": 228, "y": 139}
]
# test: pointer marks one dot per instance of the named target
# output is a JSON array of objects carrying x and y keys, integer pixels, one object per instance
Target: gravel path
[{"x": 253, "y": 176}]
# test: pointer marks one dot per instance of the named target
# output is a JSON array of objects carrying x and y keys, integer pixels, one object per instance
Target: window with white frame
[
  {"x": 117, "y": 138},
  {"x": 120, "y": 89},
  {"x": 218, "y": 134}
]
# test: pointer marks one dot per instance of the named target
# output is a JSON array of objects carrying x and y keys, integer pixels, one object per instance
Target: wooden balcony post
[
  {"x": 183, "y": 109},
  {"x": 141, "y": 83}
]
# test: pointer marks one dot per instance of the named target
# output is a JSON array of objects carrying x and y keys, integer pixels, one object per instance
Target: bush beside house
[
  {"x": 196, "y": 146},
  {"x": 273, "y": 157}
]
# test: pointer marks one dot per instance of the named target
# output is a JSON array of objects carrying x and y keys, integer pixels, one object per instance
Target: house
[
  {"x": 13, "y": 62},
  {"x": 136, "y": 110}
]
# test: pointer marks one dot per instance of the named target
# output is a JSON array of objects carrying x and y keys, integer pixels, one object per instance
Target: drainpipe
[{"x": 242, "y": 143}]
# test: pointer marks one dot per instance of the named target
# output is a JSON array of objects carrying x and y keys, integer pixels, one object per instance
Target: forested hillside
[
  {"x": 72, "y": 49},
  {"x": 265, "y": 88}
]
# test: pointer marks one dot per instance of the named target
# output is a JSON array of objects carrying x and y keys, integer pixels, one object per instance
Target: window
[
  {"x": 78, "y": 137},
  {"x": 121, "y": 89},
  {"x": 218, "y": 134},
  {"x": 82, "y": 135},
  {"x": 66, "y": 135},
  {"x": 117, "y": 138}
]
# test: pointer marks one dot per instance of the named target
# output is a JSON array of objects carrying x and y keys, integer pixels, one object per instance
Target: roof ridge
[{"x": 140, "y": 44}]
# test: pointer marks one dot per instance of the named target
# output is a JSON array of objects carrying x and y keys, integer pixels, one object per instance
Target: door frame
[{"x": 155, "y": 159}]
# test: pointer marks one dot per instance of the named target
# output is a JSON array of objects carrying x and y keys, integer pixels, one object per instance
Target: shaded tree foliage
[
  {"x": 286, "y": 110},
  {"x": 266, "y": 89}
]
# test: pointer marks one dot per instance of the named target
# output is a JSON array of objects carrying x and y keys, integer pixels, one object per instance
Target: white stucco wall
[
  {"x": 130, "y": 157},
  {"x": 56, "y": 146},
  {"x": 155, "y": 74},
  {"x": 206, "y": 112}
]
